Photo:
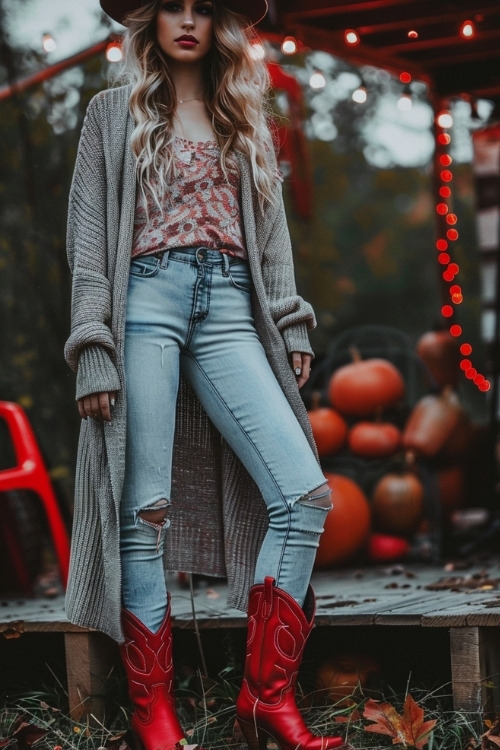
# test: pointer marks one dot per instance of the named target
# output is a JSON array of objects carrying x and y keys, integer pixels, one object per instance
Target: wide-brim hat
[{"x": 253, "y": 10}]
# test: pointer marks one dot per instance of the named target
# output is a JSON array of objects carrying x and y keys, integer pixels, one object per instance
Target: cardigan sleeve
[
  {"x": 292, "y": 315},
  {"x": 90, "y": 348}
]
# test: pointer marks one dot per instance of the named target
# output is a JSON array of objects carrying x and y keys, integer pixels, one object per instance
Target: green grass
[{"x": 206, "y": 708}]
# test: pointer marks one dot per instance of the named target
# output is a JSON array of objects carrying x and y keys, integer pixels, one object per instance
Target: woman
[{"x": 190, "y": 345}]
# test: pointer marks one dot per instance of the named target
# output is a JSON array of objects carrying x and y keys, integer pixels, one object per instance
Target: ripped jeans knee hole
[{"x": 155, "y": 517}]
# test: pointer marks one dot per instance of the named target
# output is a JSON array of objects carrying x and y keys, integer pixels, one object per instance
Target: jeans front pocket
[
  {"x": 241, "y": 278},
  {"x": 145, "y": 266}
]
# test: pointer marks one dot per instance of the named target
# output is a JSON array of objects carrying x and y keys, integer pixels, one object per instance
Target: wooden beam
[
  {"x": 295, "y": 9},
  {"x": 357, "y": 54},
  {"x": 463, "y": 63},
  {"x": 52, "y": 70},
  {"x": 472, "y": 46}
]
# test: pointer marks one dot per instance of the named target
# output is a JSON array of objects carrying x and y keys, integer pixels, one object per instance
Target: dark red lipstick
[{"x": 187, "y": 41}]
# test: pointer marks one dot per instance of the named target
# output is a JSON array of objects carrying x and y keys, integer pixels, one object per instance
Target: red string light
[{"x": 447, "y": 221}]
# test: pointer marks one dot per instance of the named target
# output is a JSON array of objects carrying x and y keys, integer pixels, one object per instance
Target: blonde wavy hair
[{"x": 236, "y": 96}]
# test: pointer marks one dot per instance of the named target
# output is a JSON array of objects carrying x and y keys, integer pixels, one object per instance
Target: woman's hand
[
  {"x": 97, "y": 405},
  {"x": 301, "y": 365}
]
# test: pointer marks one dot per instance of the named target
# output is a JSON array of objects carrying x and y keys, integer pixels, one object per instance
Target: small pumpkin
[
  {"x": 440, "y": 351},
  {"x": 329, "y": 430},
  {"x": 397, "y": 503},
  {"x": 387, "y": 548},
  {"x": 365, "y": 386},
  {"x": 431, "y": 422},
  {"x": 374, "y": 439},
  {"x": 347, "y": 524},
  {"x": 340, "y": 678}
]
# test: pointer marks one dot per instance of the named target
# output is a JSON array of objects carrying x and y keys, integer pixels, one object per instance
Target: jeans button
[{"x": 200, "y": 254}]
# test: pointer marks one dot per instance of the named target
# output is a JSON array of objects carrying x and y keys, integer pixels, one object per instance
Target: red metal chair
[{"x": 30, "y": 474}]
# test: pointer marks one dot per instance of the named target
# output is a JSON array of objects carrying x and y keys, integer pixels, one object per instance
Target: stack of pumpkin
[{"x": 382, "y": 522}]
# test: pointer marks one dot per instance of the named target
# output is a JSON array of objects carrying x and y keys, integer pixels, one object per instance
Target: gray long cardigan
[{"x": 218, "y": 518}]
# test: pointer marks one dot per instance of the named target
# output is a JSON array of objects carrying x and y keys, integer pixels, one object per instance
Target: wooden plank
[
  {"x": 408, "y": 611},
  {"x": 468, "y": 609},
  {"x": 90, "y": 656},
  {"x": 466, "y": 669},
  {"x": 381, "y": 595},
  {"x": 36, "y": 615},
  {"x": 366, "y": 612}
]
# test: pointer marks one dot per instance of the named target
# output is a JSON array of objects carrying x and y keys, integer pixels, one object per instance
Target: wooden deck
[{"x": 464, "y": 602}]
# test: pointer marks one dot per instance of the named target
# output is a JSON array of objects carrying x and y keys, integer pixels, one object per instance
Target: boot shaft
[
  {"x": 278, "y": 629},
  {"x": 147, "y": 658}
]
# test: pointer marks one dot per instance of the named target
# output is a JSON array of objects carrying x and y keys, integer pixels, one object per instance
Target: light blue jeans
[{"x": 190, "y": 310}]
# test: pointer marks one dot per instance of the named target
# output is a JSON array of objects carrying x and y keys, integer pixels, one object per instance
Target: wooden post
[
  {"x": 467, "y": 672},
  {"x": 90, "y": 657}
]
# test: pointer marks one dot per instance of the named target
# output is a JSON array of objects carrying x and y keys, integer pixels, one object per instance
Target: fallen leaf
[
  {"x": 27, "y": 734},
  {"x": 122, "y": 741},
  {"x": 490, "y": 740},
  {"x": 352, "y": 717},
  {"x": 408, "y": 729}
]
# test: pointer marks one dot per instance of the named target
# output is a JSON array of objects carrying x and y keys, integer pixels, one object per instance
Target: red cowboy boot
[
  {"x": 147, "y": 658},
  {"x": 278, "y": 629}
]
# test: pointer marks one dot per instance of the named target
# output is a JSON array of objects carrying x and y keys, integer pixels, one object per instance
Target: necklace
[{"x": 182, "y": 101}]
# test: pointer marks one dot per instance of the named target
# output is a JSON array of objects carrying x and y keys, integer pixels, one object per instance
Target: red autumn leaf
[
  {"x": 27, "y": 735},
  {"x": 355, "y": 715},
  {"x": 408, "y": 729}
]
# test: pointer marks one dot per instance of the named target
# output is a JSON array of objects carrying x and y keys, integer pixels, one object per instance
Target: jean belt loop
[
  {"x": 164, "y": 259},
  {"x": 225, "y": 264}
]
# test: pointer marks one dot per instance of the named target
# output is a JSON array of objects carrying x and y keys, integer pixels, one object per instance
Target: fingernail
[
  {"x": 298, "y": 371},
  {"x": 112, "y": 402}
]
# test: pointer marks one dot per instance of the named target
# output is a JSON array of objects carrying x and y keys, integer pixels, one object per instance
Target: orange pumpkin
[
  {"x": 366, "y": 386},
  {"x": 374, "y": 439},
  {"x": 441, "y": 353},
  {"x": 432, "y": 422},
  {"x": 329, "y": 430},
  {"x": 397, "y": 503},
  {"x": 338, "y": 679},
  {"x": 347, "y": 524}
]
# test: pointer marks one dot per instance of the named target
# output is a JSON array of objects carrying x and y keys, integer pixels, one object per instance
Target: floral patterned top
[{"x": 201, "y": 207}]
